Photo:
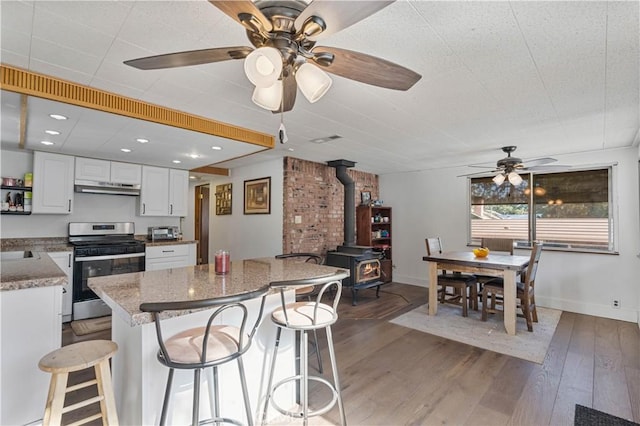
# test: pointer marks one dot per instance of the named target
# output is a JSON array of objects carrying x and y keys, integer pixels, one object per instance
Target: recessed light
[
  {"x": 142, "y": 140},
  {"x": 125, "y": 150},
  {"x": 46, "y": 143},
  {"x": 57, "y": 117},
  {"x": 216, "y": 148},
  {"x": 290, "y": 149},
  {"x": 176, "y": 161},
  {"x": 194, "y": 156},
  {"x": 192, "y": 177},
  {"x": 52, "y": 132}
]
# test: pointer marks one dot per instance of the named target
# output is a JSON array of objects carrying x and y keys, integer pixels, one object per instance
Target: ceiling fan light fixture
[
  {"x": 499, "y": 179},
  {"x": 312, "y": 81},
  {"x": 268, "y": 97},
  {"x": 515, "y": 179},
  {"x": 263, "y": 66}
]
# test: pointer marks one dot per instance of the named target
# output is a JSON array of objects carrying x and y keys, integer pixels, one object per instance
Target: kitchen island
[{"x": 139, "y": 378}]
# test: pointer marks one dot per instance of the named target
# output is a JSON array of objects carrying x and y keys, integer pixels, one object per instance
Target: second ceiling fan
[{"x": 284, "y": 34}]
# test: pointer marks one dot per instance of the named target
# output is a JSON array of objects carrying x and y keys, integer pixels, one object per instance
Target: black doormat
[{"x": 585, "y": 416}]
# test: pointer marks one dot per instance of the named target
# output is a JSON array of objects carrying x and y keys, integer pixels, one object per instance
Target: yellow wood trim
[
  {"x": 211, "y": 170},
  {"x": 43, "y": 86}
]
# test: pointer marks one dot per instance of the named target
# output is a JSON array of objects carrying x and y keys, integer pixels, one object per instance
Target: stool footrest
[
  {"x": 82, "y": 403},
  {"x": 297, "y": 414},
  {"x": 82, "y": 385},
  {"x": 86, "y": 420}
]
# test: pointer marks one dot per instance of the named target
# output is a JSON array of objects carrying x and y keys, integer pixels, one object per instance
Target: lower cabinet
[
  {"x": 170, "y": 256},
  {"x": 30, "y": 328},
  {"x": 64, "y": 260}
]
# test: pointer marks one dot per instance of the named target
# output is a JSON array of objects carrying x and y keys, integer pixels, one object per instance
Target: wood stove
[{"x": 363, "y": 262}]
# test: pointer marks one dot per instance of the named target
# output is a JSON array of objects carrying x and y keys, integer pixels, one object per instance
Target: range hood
[{"x": 92, "y": 187}]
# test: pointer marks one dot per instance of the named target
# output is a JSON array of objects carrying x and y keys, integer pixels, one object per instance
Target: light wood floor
[{"x": 393, "y": 375}]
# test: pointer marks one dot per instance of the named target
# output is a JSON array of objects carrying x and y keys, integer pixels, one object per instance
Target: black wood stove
[{"x": 362, "y": 261}]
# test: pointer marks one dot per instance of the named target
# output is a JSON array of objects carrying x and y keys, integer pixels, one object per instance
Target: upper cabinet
[
  {"x": 53, "y": 177},
  {"x": 90, "y": 169},
  {"x": 164, "y": 192}
]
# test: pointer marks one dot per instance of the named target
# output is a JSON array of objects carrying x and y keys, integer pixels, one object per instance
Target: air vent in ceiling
[{"x": 326, "y": 139}]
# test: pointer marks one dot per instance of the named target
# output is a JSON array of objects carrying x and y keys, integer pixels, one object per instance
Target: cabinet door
[
  {"x": 126, "y": 173},
  {"x": 52, "y": 183},
  {"x": 178, "y": 192},
  {"x": 93, "y": 170},
  {"x": 154, "y": 192},
  {"x": 64, "y": 260}
]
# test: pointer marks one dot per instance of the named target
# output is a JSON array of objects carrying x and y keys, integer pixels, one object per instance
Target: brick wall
[{"x": 312, "y": 191}]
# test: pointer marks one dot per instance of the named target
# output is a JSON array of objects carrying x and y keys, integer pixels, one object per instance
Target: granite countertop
[
  {"x": 42, "y": 244},
  {"x": 124, "y": 293},
  {"x": 150, "y": 243},
  {"x": 31, "y": 272}
]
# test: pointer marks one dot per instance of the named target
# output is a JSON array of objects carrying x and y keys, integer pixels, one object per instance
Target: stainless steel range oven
[{"x": 101, "y": 249}]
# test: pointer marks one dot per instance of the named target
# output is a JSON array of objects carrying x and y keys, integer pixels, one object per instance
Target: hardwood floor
[{"x": 391, "y": 375}]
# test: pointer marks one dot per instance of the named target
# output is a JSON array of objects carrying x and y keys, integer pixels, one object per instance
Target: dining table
[{"x": 499, "y": 265}]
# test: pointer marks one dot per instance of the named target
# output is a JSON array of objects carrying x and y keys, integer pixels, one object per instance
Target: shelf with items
[
  {"x": 373, "y": 229},
  {"x": 13, "y": 199}
]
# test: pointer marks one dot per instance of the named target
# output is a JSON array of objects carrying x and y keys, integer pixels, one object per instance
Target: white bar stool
[
  {"x": 302, "y": 317},
  {"x": 76, "y": 357}
]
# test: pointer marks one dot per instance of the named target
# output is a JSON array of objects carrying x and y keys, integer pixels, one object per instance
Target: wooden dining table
[{"x": 498, "y": 265}]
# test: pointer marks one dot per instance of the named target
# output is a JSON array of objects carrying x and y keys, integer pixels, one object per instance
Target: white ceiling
[{"x": 551, "y": 77}]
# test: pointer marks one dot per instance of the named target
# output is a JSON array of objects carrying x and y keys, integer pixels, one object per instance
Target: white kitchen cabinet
[
  {"x": 64, "y": 260},
  {"x": 170, "y": 256},
  {"x": 178, "y": 192},
  {"x": 52, "y": 183},
  {"x": 30, "y": 327},
  {"x": 91, "y": 169},
  {"x": 164, "y": 192}
]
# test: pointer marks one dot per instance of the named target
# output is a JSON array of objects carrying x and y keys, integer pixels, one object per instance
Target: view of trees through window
[{"x": 569, "y": 209}]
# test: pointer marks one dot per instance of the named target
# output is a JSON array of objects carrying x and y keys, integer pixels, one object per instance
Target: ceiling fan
[
  {"x": 508, "y": 168},
  {"x": 284, "y": 34}
]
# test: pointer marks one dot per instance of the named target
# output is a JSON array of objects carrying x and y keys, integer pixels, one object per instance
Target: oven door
[{"x": 85, "y": 302}]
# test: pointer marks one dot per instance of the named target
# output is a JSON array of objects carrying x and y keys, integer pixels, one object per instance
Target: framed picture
[
  {"x": 257, "y": 196},
  {"x": 365, "y": 197},
  {"x": 223, "y": 199}
]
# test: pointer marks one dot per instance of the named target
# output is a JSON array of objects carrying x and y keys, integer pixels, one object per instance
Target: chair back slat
[
  {"x": 532, "y": 269},
  {"x": 307, "y": 257},
  {"x": 498, "y": 244},
  {"x": 434, "y": 245}
]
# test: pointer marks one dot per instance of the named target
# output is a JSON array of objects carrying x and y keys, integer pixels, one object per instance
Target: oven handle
[{"x": 109, "y": 257}]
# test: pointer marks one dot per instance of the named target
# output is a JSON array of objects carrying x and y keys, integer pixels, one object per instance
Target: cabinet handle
[
  {"x": 69, "y": 260},
  {"x": 170, "y": 208},
  {"x": 144, "y": 208},
  {"x": 64, "y": 290},
  {"x": 69, "y": 205},
  {"x": 168, "y": 251}
]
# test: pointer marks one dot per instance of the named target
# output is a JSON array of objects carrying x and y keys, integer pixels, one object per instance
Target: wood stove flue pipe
[{"x": 349, "y": 199}]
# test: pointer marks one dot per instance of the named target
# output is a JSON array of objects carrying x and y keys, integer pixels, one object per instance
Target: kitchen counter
[
  {"x": 150, "y": 243},
  {"x": 31, "y": 272},
  {"x": 139, "y": 379},
  {"x": 124, "y": 293},
  {"x": 43, "y": 244}
]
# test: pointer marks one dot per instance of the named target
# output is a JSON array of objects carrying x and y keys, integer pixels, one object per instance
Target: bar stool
[
  {"x": 302, "y": 317},
  {"x": 76, "y": 357},
  {"x": 209, "y": 346}
]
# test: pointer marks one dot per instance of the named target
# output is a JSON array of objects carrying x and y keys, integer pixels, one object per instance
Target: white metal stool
[
  {"x": 302, "y": 317},
  {"x": 76, "y": 357}
]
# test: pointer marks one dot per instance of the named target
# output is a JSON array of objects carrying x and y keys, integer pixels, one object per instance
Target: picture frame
[
  {"x": 365, "y": 197},
  {"x": 223, "y": 199},
  {"x": 257, "y": 196}
]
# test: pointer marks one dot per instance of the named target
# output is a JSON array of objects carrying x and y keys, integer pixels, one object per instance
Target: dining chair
[
  {"x": 465, "y": 291},
  {"x": 525, "y": 291},
  {"x": 307, "y": 293},
  {"x": 495, "y": 245}
]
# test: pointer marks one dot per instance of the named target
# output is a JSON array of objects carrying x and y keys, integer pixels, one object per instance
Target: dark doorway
[{"x": 202, "y": 223}]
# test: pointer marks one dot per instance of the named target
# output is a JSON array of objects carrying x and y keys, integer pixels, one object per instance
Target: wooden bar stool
[{"x": 76, "y": 357}]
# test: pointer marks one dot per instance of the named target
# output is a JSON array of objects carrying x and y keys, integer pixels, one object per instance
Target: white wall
[
  {"x": 434, "y": 203},
  {"x": 245, "y": 236},
  {"x": 86, "y": 208}
]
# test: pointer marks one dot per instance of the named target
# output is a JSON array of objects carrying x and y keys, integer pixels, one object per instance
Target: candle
[{"x": 222, "y": 262}]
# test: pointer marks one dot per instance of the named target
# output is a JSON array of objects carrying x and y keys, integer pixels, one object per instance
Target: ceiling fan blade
[
  {"x": 485, "y": 173},
  {"x": 544, "y": 168},
  {"x": 339, "y": 15},
  {"x": 191, "y": 57},
  {"x": 539, "y": 161},
  {"x": 236, "y": 7},
  {"x": 289, "y": 89},
  {"x": 368, "y": 69}
]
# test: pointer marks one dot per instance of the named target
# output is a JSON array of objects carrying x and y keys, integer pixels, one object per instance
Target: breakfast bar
[{"x": 139, "y": 379}]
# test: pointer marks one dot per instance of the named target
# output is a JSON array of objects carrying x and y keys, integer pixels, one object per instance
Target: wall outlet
[{"x": 615, "y": 303}]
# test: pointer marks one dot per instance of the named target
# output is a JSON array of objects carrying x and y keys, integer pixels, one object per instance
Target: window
[{"x": 569, "y": 210}]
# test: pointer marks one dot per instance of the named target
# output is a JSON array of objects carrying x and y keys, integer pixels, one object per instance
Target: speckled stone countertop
[
  {"x": 150, "y": 243},
  {"x": 36, "y": 244},
  {"x": 32, "y": 272},
  {"x": 124, "y": 293}
]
